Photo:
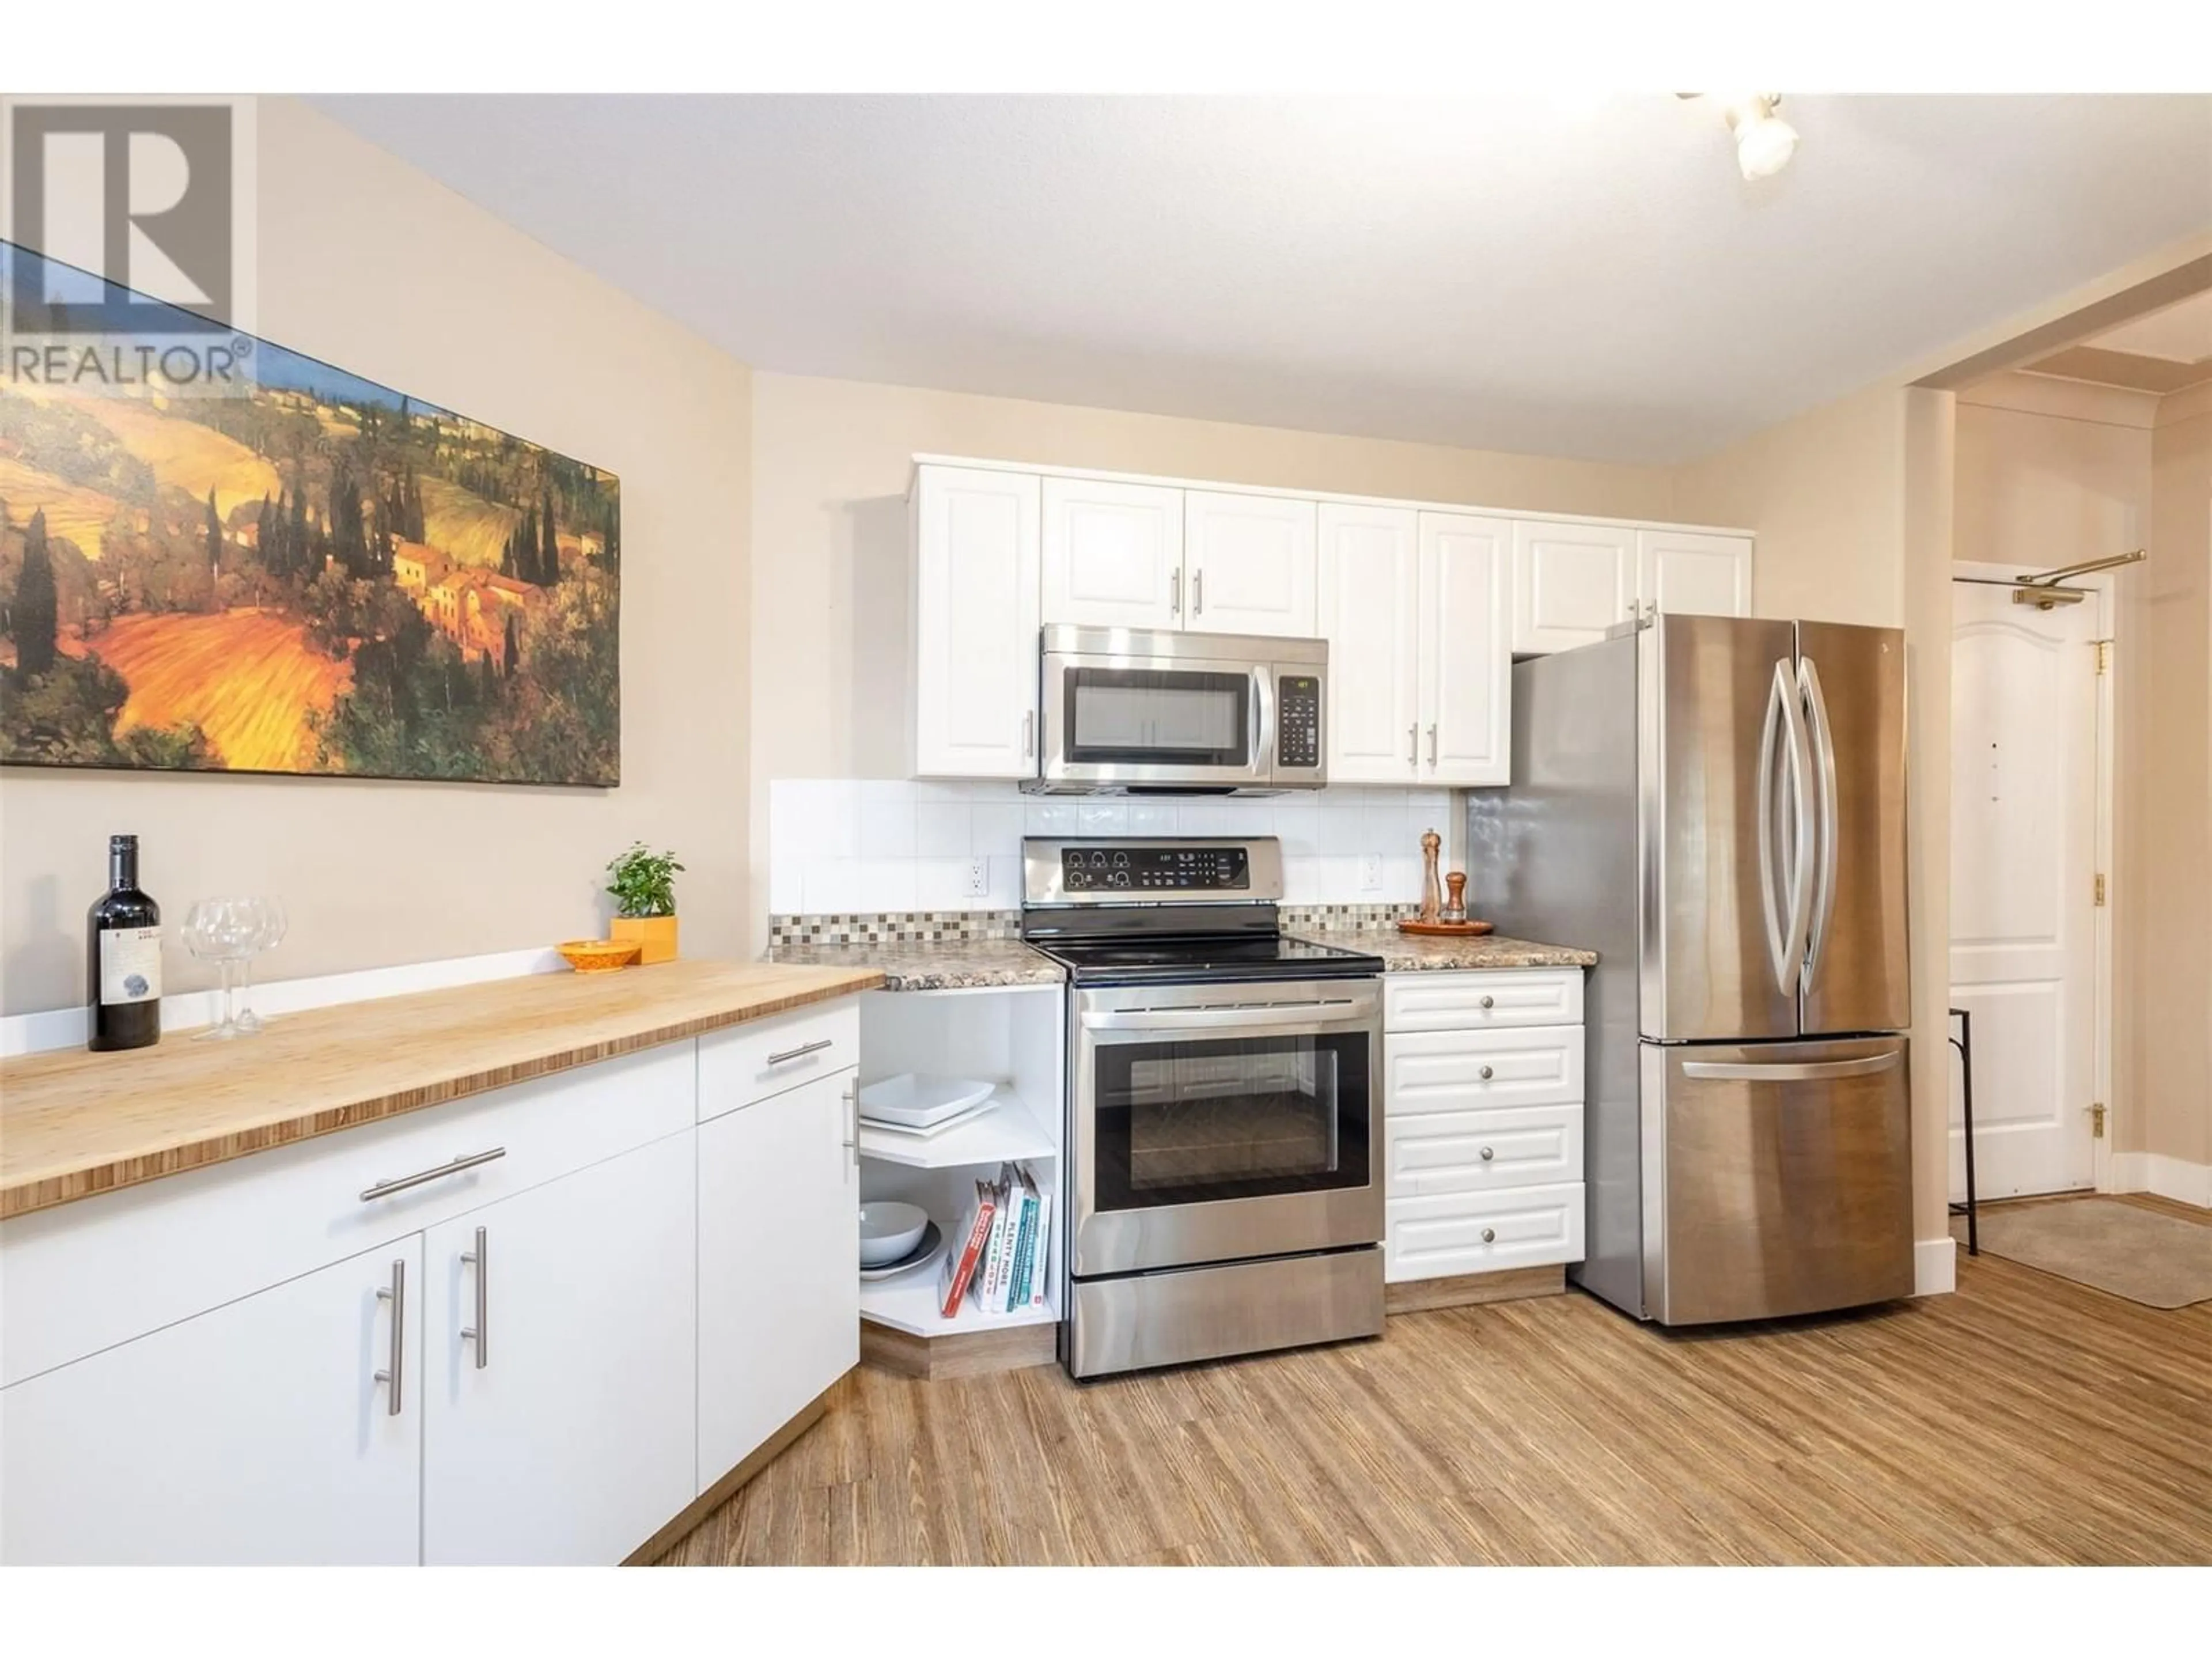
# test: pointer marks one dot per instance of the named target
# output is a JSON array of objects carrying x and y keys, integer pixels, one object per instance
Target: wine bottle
[{"x": 123, "y": 956}]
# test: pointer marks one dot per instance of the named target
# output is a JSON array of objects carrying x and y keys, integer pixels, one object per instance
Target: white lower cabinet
[
  {"x": 1482, "y": 1121},
  {"x": 559, "y": 1381},
  {"x": 779, "y": 1264},
  {"x": 258, "y": 1432}
]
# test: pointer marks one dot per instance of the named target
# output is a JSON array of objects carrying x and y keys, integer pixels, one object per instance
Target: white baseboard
[
  {"x": 2167, "y": 1177},
  {"x": 64, "y": 1028},
  {"x": 1935, "y": 1265}
]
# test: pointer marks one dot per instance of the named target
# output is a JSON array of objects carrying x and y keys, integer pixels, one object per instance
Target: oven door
[
  {"x": 1225, "y": 1121},
  {"x": 1156, "y": 720}
]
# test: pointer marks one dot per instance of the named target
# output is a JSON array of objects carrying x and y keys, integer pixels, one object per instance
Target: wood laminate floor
[{"x": 2025, "y": 1419}]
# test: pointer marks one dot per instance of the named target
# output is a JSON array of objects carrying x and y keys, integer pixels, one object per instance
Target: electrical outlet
[
  {"x": 979, "y": 877},
  {"x": 1371, "y": 872}
]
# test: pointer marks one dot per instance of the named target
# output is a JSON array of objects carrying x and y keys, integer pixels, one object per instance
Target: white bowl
[{"x": 890, "y": 1231}]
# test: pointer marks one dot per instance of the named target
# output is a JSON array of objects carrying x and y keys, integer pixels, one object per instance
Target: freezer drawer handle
[{"x": 1803, "y": 1071}]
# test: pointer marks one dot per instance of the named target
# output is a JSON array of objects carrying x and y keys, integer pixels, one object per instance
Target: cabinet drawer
[
  {"x": 1446, "y": 1001},
  {"x": 1436, "y": 1153},
  {"x": 84, "y": 1276},
  {"x": 1464, "y": 1071},
  {"x": 752, "y": 1061},
  {"x": 1442, "y": 1236}
]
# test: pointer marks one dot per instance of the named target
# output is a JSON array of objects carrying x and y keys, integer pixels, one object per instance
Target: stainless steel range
[{"x": 1224, "y": 1129}]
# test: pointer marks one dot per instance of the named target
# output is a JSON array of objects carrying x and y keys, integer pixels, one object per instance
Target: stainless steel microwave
[{"x": 1127, "y": 709}]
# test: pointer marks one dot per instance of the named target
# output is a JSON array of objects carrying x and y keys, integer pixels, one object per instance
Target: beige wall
[
  {"x": 2171, "y": 947},
  {"x": 830, "y": 465},
  {"x": 370, "y": 265}
]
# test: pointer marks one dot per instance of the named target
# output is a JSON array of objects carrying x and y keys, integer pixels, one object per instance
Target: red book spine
[{"x": 969, "y": 1254}]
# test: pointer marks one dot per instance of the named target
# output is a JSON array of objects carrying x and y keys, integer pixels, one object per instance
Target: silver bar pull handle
[
  {"x": 1414, "y": 744},
  {"x": 800, "y": 1053},
  {"x": 385, "y": 1188},
  {"x": 1029, "y": 733},
  {"x": 480, "y": 1333},
  {"x": 1198, "y": 593},
  {"x": 1432, "y": 744},
  {"x": 1824, "y": 757},
  {"x": 1807, "y": 1071},
  {"x": 1175, "y": 591},
  {"x": 394, "y": 1378},
  {"x": 852, "y": 1099}
]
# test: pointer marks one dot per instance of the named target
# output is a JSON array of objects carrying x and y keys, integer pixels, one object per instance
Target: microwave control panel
[
  {"x": 1126, "y": 869},
  {"x": 1298, "y": 705}
]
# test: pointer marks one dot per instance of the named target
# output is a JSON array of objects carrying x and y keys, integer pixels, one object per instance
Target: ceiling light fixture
[{"x": 1764, "y": 141}]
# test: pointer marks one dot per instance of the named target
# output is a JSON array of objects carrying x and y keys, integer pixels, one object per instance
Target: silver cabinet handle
[
  {"x": 393, "y": 1378},
  {"x": 1198, "y": 593},
  {"x": 1489, "y": 1001},
  {"x": 1029, "y": 733},
  {"x": 1414, "y": 744},
  {"x": 1487, "y": 1154},
  {"x": 1487, "y": 1073},
  {"x": 852, "y": 1099},
  {"x": 800, "y": 1051},
  {"x": 1175, "y": 591},
  {"x": 1433, "y": 746},
  {"x": 480, "y": 1333},
  {"x": 385, "y": 1188},
  {"x": 1490, "y": 1235}
]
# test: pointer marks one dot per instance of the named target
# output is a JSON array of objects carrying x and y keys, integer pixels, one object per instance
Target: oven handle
[{"x": 1333, "y": 1012}]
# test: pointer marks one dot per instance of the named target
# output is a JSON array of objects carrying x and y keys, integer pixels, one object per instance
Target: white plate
[
  {"x": 917, "y": 1101},
  {"x": 932, "y": 1245},
  {"x": 934, "y": 1129}
]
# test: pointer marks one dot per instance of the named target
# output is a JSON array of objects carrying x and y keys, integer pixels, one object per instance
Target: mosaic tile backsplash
[{"x": 843, "y": 847}]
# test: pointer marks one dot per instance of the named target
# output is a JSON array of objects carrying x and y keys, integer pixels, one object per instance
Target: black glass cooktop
[{"x": 1169, "y": 960}]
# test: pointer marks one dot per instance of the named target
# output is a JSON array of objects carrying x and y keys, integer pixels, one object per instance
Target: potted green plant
[{"x": 644, "y": 888}]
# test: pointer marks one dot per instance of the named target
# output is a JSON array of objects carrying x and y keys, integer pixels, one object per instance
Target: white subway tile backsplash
[{"x": 867, "y": 845}]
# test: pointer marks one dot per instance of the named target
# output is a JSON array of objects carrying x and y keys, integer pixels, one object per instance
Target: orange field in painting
[
  {"x": 193, "y": 458},
  {"x": 246, "y": 678},
  {"x": 74, "y": 514}
]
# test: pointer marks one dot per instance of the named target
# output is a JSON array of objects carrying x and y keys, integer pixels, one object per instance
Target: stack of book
[{"x": 1002, "y": 1247}]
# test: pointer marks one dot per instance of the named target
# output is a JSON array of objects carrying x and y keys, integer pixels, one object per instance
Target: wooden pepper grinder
[
  {"x": 1455, "y": 906},
  {"x": 1432, "y": 897}
]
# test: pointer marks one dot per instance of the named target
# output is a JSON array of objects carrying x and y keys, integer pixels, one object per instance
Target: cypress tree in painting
[
  {"x": 549, "y": 564},
  {"x": 35, "y": 614},
  {"x": 513, "y": 648},
  {"x": 214, "y": 535}
]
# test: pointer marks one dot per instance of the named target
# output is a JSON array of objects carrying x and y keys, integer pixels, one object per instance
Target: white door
[
  {"x": 779, "y": 1264},
  {"x": 1682, "y": 573},
  {"x": 1113, "y": 554},
  {"x": 573, "y": 1442},
  {"x": 2023, "y": 873},
  {"x": 1370, "y": 614},
  {"x": 1570, "y": 583},
  {"x": 975, "y": 618},
  {"x": 1466, "y": 663},
  {"x": 257, "y": 1433},
  {"x": 1249, "y": 563}
]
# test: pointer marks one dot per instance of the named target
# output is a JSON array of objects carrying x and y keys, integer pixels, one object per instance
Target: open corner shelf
[
  {"x": 908, "y": 1303},
  {"x": 1008, "y": 1133}
]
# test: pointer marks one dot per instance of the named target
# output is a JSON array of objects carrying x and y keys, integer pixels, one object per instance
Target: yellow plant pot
[{"x": 655, "y": 936}]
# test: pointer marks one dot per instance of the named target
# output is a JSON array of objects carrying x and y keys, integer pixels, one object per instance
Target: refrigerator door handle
[
  {"x": 1800, "y": 812},
  {"x": 1823, "y": 747},
  {"x": 1777, "y": 945},
  {"x": 1803, "y": 1071}
]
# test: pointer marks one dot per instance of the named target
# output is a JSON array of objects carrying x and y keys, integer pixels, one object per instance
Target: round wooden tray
[{"x": 1444, "y": 929}]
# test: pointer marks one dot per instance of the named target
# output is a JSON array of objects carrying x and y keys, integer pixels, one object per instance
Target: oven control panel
[
  {"x": 1298, "y": 713},
  {"x": 1154, "y": 869}
]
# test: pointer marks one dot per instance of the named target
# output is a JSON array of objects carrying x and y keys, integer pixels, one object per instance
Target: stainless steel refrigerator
[{"x": 1716, "y": 806}]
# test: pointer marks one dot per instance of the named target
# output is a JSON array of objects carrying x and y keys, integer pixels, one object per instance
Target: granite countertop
[
  {"x": 1404, "y": 953},
  {"x": 953, "y": 964},
  {"x": 74, "y": 1123}
]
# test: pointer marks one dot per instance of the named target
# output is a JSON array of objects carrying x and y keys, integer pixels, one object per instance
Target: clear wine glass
[
  {"x": 269, "y": 923},
  {"x": 220, "y": 930}
]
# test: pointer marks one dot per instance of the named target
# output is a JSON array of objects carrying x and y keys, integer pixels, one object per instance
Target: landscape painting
[{"x": 313, "y": 574}]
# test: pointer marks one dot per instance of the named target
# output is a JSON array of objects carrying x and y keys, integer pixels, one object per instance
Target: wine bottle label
[{"x": 130, "y": 965}]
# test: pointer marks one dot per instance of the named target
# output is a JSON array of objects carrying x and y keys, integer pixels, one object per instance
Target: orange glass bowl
[{"x": 599, "y": 956}]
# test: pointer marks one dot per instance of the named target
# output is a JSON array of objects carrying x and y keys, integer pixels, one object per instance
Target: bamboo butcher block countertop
[{"x": 74, "y": 1123}]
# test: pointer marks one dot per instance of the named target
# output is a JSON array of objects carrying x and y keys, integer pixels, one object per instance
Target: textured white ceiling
[
  {"x": 2181, "y": 333},
  {"x": 1515, "y": 275}
]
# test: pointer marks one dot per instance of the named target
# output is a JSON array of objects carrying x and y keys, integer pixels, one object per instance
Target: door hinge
[
  {"x": 2097, "y": 1121},
  {"x": 2100, "y": 888},
  {"x": 2104, "y": 655}
]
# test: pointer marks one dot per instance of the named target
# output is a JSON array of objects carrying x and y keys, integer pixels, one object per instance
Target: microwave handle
[{"x": 1263, "y": 750}]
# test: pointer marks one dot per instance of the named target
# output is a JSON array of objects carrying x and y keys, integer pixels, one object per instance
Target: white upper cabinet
[
  {"x": 976, "y": 575},
  {"x": 560, "y": 1377},
  {"x": 1113, "y": 555},
  {"x": 1465, "y": 660},
  {"x": 1570, "y": 583},
  {"x": 1687, "y": 572},
  {"x": 1370, "y": 614},
  {"x": 1248, "y": 564}
]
